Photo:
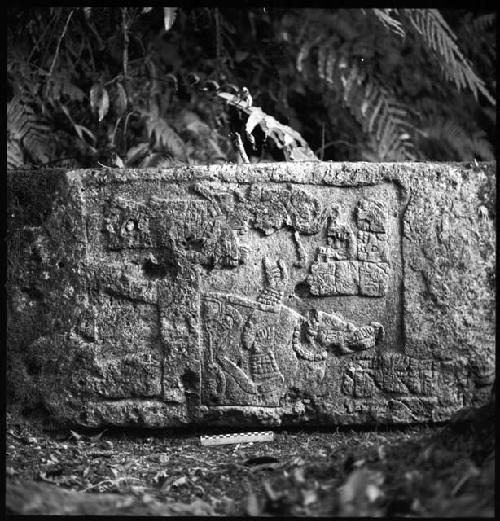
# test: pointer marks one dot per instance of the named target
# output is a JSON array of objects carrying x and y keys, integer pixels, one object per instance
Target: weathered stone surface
[{"x": 322, "y": 293}]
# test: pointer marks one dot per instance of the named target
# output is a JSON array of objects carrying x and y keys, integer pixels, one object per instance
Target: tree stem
[
  {"x": 126, "y": 40},
  {"x": 59, "y": 42}
]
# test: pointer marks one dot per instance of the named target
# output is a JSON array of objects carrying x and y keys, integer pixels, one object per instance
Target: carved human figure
[{"x": 241, "y": 348}]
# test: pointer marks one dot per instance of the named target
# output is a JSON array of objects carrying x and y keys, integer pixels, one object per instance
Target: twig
[
  {"x": 471, "y": 472},
  {"x": 111, "y": 482},
  {"x": 59, "y": 42},
  {"x": 331, "y": 143},
  {"x": 118, "y": 77},
  {"x": 197, "y": 458},
  {"x": 242, "y": 155}
]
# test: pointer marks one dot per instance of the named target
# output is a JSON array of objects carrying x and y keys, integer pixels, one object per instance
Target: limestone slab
[{"x": 251, "y": 295}]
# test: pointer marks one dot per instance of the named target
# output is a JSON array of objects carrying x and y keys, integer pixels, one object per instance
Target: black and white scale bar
[{"x": 240, "y": 437}]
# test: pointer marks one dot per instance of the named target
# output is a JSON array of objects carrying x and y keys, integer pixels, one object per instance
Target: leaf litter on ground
[{"x": 418, "y": 471}]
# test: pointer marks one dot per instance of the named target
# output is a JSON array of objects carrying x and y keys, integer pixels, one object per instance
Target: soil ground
[{"x": 445, "y": 471}]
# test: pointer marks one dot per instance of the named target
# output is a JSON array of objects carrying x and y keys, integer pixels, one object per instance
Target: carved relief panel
[{"x": 274, "y": 278}]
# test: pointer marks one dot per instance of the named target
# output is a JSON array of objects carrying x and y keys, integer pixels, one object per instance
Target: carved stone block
[
  {"x": 373, "y": 279},
  {"x": 251, "y": 295},
  {"x": 347, "y": 278}
]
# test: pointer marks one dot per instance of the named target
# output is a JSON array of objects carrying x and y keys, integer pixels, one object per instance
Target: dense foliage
[{"x": 140, "y": 87}]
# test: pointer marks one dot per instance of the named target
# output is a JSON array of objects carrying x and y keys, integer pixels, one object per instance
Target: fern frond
[
  {"x": 27, "y": 132},
  {"x": 438, "y": 35},
  {"x": 372, "y": 105},
  {"x": 483, "y": 22},
  {"x": 384, "y": 16},
  {"x": 15, "y": 157},
  {"x": 482, "y": 147},
  {"x": 465, "y": 145},
  {"x": 163, "y": 136}
]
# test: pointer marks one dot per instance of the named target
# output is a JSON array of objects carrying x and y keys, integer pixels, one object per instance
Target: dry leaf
[
  {"x": 121, "y": 100},
  {"x": 180, "y": 481},
  {"x": 103, "y": 104},
  {"x": 262, "y": 463},
  {"x": 252, "y": 504},
  {"x": 259, "y": 460},
  {"x": 298, "y": 475},
  {"x": 359, "y": 463},
  {"x": 361, "y": 489},
  {"x": 119, "y": 162},
  {"x": 97, "y": 436},
  {"x": 95, "y": 95},
  {"x": 160, "y": 477},
  {"x": 381, "y": 452},
  {"x": 137, "y": 152},
  {"x": 75, "y": 435},
  {"x": 269, "y": 491},
  {"x": 160, "y": 458},
  {"x": 172, "y": 482},
  {"x": 309, "y": 497}
]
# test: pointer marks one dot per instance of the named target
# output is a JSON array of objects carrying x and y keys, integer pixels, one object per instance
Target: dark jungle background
[{"x": 149, "y": 86}]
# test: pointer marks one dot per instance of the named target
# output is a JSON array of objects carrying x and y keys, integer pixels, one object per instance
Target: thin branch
[
  {"x": 113, "y": 80},
  {"x": 91, "y": 53},
  {"x": 59, "y": 42},
  {"x": 126, "y": 40},
  {"x": 37, "y": 44},
  {"x": 46, "y": 48},
  {"x": 218, "y": 42},
  {"x": 331, "y": 143},
  {"x": 91, "y": 26},
  {"x": 139, "y": 41}
]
